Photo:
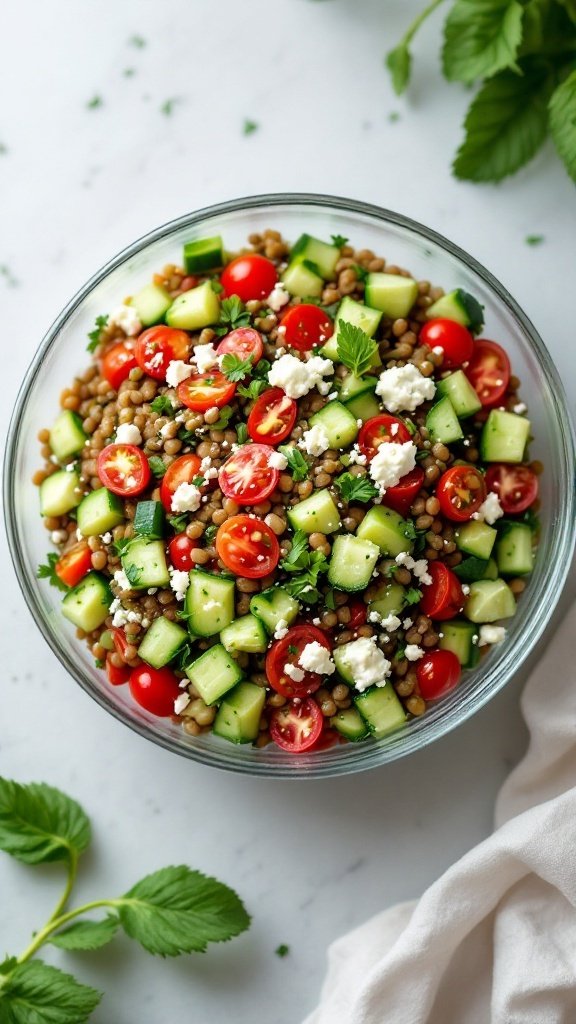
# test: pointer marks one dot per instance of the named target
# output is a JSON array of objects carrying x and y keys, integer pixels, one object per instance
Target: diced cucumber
[
  {"x": 214, "y": 673},
  {"x": 352, "y": 563},
  {"x": 364, "y": 407},
  {"x": 144, "y": 562},
  {"x": 321, "y": 254},
  {"x": 203, "y": 254},
  {"x": 151, "y": 303},
  {"x": 67, "y": 436},
  {"x": 514, "y": 549},
  {"x": 392, "y": 293},
  {"x": 300, "y": 280},
  {"x": 356, "y": 313},
  {"x": 273, "y": 605},
  {"x": 353, "y": 386},
  {"x": 504, "y": 437},
  {"x": 389, "y": 600},
  {"x": 99, "y": 512},
  {"x": 238, "y": 718},
  {"x": 381, "y": 710},
  {"x": 386, "y": 528},
  {"x": 349, "y": 723},
  {"x": 150, "y": 520},
  {"x": 459, "y": 306},
  {"x": 461, "y": 637},
  {"x": 476, "y": 538},
  {"x": 442, "y": 422},
  {"x": 471, "y": 569},
  {"x": 161, "y": 642},
  {"x": 489, "y": 600},
  {"x": 462, "y": 395},
  {"x": 59, "y": 493},
  {"x": 316, "y": 514},
  {"x": 491, "y": 571},
  {"x": 245, "y": 634},
  {"x": 338, "y": 423},
  {"x": 195, "y": 309},
  {"x": 87, "y": 604},
  {"x": 209, "y": 603},
  {"x": 344, "y": 664}
]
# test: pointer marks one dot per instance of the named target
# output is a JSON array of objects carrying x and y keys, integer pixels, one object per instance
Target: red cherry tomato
[
  {"x": 179, "y": 550},
  {"x": 380, "y": 429},
  {"x": 327, "y": 738},
  {"x": 242, "y": 342},
  {"x": 455, "y": 341},
  {"x": 304, "y": 326},
  {"x": 182, "y": 471},
  {"x": 516, "y": 486},
  {"x": 157, "y": 347},
  {"x": 120, "y": 640},
  {"x": 297, "y": 726},
  {"x": 438, "y": 673},
  {"x": 443, "y": 598},
  {"x": 358, "y": 614},
  {"x": 247, "y": 546},
  {"x": 460, "y": 491},
  {"x": 117, "y": 363},
  {"x": 203, "y": 391},
  {"x": 249, "y": 277},
  {"x": 123, "y": 469},
  {"x": 401, "y": 497},
  {"x": 73, "y": 565},
  {"x": 272, "y": 417},
  {"x": 155, "y": 689},
  {"x": 287, "y": 652},
  {"x": 117, "y": 676},
  {"x": 488, "y": 371},
  {"x": 247, "y": 476}
]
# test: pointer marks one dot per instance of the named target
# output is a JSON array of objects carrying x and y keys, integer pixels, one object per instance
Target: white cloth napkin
[{"x": 493, "y": 941}]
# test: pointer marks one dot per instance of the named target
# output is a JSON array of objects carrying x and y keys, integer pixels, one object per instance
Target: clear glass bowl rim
[{"x": 369, "y": 755}]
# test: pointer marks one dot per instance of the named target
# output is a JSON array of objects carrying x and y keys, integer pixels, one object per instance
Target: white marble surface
[{"x": 310, "y": 859}]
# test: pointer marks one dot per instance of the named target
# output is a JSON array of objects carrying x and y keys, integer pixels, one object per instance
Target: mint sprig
[{"x": 355, "y": 349}]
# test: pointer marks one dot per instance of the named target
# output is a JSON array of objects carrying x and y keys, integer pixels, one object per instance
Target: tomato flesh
[
  {"x": 247, "y": 546},
  {"x": 287, "y": 651},
  {"x": 401, "y": 497},
  {"x": 516, "y": 486},
  {"x": 180, "y": 549},
  {"x": 438, "y": 673},
  {"x": 488, "y": 371},
  {"x": 456, "y": 342},
  {"x": 443, "y": 598},
  {"x": 117, "y": 363},
  {"x": 272, "y": 417},
  {"x": 460, "y": 491},
  {"x": 123, "y": 469},
  {"x": 249, "y": 277},
  {"x": 73, "y": 565},
  {"x": 157, "y": 347},
  {"x": 242, "y": 342},
  {"x": 358, "y": 614},
  {"x": 182, "y": 471},
  {"x": 117, "y": 676},
  {"x": 297, "y": 726},
  {"x": 247, "y": 476},
  {"x": 304, "y": 326},
  {"x": 120, "y": 640},
  {"x": 155, "y": 689},
  {"x": 380, "y": 429},
  {"x": 203, "y": 391}
]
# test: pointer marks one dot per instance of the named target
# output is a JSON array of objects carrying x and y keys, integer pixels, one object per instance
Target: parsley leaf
[
  {"x": 121, "y": 546},
  {"x": 481, "y": 39},
  {"x": 471, "y": 569},
  {"x": 87, "y": 934},
  {"x": 178, "y": 523},
  {"x": 233, "y": 314},
  {"x": 189, "y": 437},
  {"x": 329, "y": 600},
  {"x": 563, "y": 122},
  {"x": 96, "y": 334},
  {"x": 361, "y": 272},
  {"x": 133, "y": 573},
  {"x": 282, "y": 950},
  {"x": 35, "y": 991},
  {"x": 297, "y": 464},
  {"x": 48, "y": 572},
  {"x": 235, "y": 368},
  {"x": 94, "y": 103},
  {"x": 261, "y": 370},
  {"x": 534, "y": 239},
  {"x": 249, "y": 127},
  {"x": 157, "y": 466},
  {"x": 39, "y": 823},
  {"x": 355, "y": 488},
  {"x": 399, "y": 64},
  {"x": 210, "y": 533},
  {"x": 223, "y": 420},
  {"x": 306, "y": 565},
  {"x": 241, "y": 433},
  {"x": 412, "y": 596},
  {"x": 355, "y": 349},
  {"x": 162, "y": 405},
  {"x": 339, "y": 241}
]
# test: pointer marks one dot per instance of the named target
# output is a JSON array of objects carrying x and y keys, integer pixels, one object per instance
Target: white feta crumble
[
  {"x": 404, "y": 387},
  {"x": 278, "y": 297},
  {"x": 128, "y": 433},
  {"x": 293, "y": 672},
  {"x": 316, "y": 621},
  {"x": 297, "y": 378},
  {"x": 177, "y": 371},
  {"x": 182, "y": 701},
  {"x": 281, "y": 629},
  {"x": 186, "y": 498},
  {"x": 520, "y": 408},
  {"x": 151, "y": 590},
  {"x": 126, "y": 317},
  {"x": 374, "y": 616},
  {"x": 490, "y": 510},
  {"x": 392, "y": 462},
  {"x": 413, "y": 652},
  {"x": 391, "y": 623},
  {"x": 179, "y": 582},
  {"x": 356, "y": 456},
  {"x": 70, "y": 467},
  {"x": 465, "y": 589},
  {"x": 121, "y": 580},
  {"x": 278, "y": 461},
  {"x": 315, "y": 658},
  {"x": 166, "y": 430},
  {"x": 491, "y": 635},
  {"x": 315, "y": 440},
  {"x": 332, "y": 396},
  {"x": 58, "y": 536},
  {"x": 205, "y": 356},
  {"x": 366, "y": 663},
  {"x": 280, "y": 351},
  {"x": 419, "y": 567},
  {"x": 407, "y": 623},
  {"x": 106, "y": 538}
]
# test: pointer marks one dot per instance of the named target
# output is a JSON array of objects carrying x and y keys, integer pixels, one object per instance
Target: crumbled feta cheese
[
  {"x": 280, "y": 351},
  {"x": 407, "y": 623},
  {"x": 491, "y": 635},
  {"x": 126, "y": 317},
  {"x": 151, "y": 590},
  {"x": 106, "y": 538},
  {"x": 182, "y": 701},
  {"x": 166, "y": 430},
  {"x": 116, "y": 604},
  {"x": 490, "y": 510},
  {"x": 413, "y": 652},
  {"x": 70, "y": 467},
  {"x": 278, "y": 461},
  {"x": 178, "y": 371},
  {"x": 316, "y": 621},
  {"x": 391, "y": 462},
  {"x": 366, "y": 663},
  {"x": 58, "y": 536},
  {"x": 297, "y": 378},
  {"x": 186, "y": 498},
  {"x": 121, "y": 579},
  {"x": 315, "y": 440},
  {"x": 281, "y": 629},
  {"x": 293, "y": 672},
  {"x": 315, "y": 658},
  {"x": 419, "y": 568},
  {"x": 374, "y": 616},
  {"x": 278, "y": 297},
  {"x": 205, "y": 356},
  {"x": 120, "y": 618},
  {"x": 128, "y": 433},
  {"x": 179, "y": 582},
  {"x": 355, "y": 455},
  {"x": 205, "y": 464},
  {"x": 520, "y": 408},
  {"x": 391, "y": 623},
  {"x": 332, "y": 396},
  {"x": 404, "y": 387}
]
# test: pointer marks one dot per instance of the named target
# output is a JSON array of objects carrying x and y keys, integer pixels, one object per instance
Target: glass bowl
[{"x": 428, "y": 256}]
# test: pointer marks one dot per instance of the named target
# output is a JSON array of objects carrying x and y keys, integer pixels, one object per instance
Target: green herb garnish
[
  {"x": 339, "y": 241},
  {"x": 94, "y": 103},
  {"x": 96, "y": 334},
  {"x": 162, "y": 405},
  {"x": 361, "y": 272},
  {"x": 297, "y": 464},
  {"x": 121, "y": 546},
  {"x": 167, "y": 107},
  {"x": 223, "y": 420},
  {"x": 216, "y": 286},
  {"x": 137, "y": 41},
  {"x": 235, "y": 368},
  {"x": 412, "y": 596},
  {"x": 254, "y": 389},
  {"x": 306, "y": 566},
  {"x": 241, "y": 433},
  {"x": 534, "y": 239},
  {"x": 233, "y": 314},
  {"x": 179, "y": 522},
  {"x": 157, "y": 466},
  {"x": 355, "y": 488},
  {"x": 355, "y": 349},
  {"x": 133, "y": 573},
  {"x": 329, "y": 600},
  {"x": 249, "y": 127},
  {"x": 210, "y": 533},
  {"x": 48, "y": 572},
  {"x": 188, "y": 437},
  {"x": 282, "y": 950}
]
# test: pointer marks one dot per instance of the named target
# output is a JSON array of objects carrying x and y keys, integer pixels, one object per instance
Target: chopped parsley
[
  {"x": 223, "y": 420},
  {"x": 167, "y": 107},
  {"x": 305, "y": 566},
  {"x": 48, "y": 572},
  {"x": 121, "y": 546},
  {"x": 534, "y": 239},
  {"x": 233, "y": 314},
  {"x": 235, "y": 368},
  {"x": 133, "y": 573},
  {"x": 157, "y": 466},
  {"x": 95, "y": 335},
  {"x": 339, "y": 241},
  {"x": 241, "y": 433},
  {"x": 210, "y": 533},
  {"x": 94, "y": 103},
  {"x": 249, "y": 127},
  {"x": 297, "y": 464},
  {"x": 137, "y": 41},
  {"x": 216, "y": 286},
  {"x": 178, "y": 523},
  {"x": 282, "y": 950},
  {"x": 329, "y": 600},
  {"x": 412, "y": 596},
  {"x": 355, "y": 349},
  {"x": 361, "y": 272},
  {"x": 355, "y": 488},
  {"x": 162, "y": 405},
  {"x": 254, "y": 388},
  {"x": 188, "y": 437}
]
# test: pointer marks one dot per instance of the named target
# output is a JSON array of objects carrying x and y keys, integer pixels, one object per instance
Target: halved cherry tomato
[
  {"x": 120, "y": 640},
  {"x": 380, "y": 429},
  {"x": 460, "y": 491},
  {"x": 117, "y": 676},
  {"x": 287, "y": 652},
  {"x": 438, "y": 673},
  {"x": 242, "y": 342},
  {"x": 358, "y": 613},
  {"x": 297, "y": 726},
  {"x": 516, "y": 486},
  {"x": 247, "y": 476},
  {"x": 202, "y": 391},
  {"x": 247, "y": 546},
  {"x": 123, "y": 469},
  {"x": 249, "y": 277},
  {"x": 182, "y": 471},
  {"x": 179, "y": 550},
  {"x": 73, "y": 565},
  {"x": 272, "y": 416},
  {"x": 117, "y": 363},
  {"x": 444, "y": 597},
  {"x": 304, "y": 326},
  {"x": 401, "y": 497},
  {"x": 488, "y": 371},
  {"x": 455, "y": 340},
  {"x": 157, "y": 347},
  {"x": 155, "y": 689},
  {"x": 327, "y": 738}
]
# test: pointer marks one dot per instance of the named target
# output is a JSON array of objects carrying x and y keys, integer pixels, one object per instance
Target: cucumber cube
[
  {"x": 99, "y": 511},
  {"x": 389, "y": 600},
  {"x": 459, "y": 306},
  {"x": 356, "y": 313},
  {"x": 461, "y": 638},
  {"x": 476, "y": 538},
  {"x": 349, "y": 723},
  {"x": 238, "y": 718},
  {"x": 209, "y": 603},
  {"x": 87, "y": 604},
  {"x": 67, "y": 436},
  {"x": 322, "y": 255},
  {"x": 364, "y": 407},
  {"x": 514, "y": 549},
  {"x": 352, "y": 563},
  {"x": 245, "y": 634},
  {"x": 162, "y": 642},
  {"x": 381, "y": 710},
  {"x": 504, "y": 437},
  {"x": 316, "y": 514},
  {"x": 151, "y": 304},
  {"x": 488, "y": 601},
  {"x": 203, "y": 254},
  {"x": 195, "y": 309},
  {"x": 144, "y": 563},
  {"x": 214, "y": 673},
  {"x": 150, "y": 520},
  {"x": 462, "y": 395},
  {"x": 393, "y": 294},
  {"x": 338, "y": 424},
  {"x": 384, "y": 527},
  {"x": 59, "y": 493},
  {"x": 442, "y": 422},
  {"x": 301, "y": 280},
  {"x": 272, "y": 605}
]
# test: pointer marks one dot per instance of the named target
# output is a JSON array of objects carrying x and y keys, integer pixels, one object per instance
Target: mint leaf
[
  {"x": 84, "y": 935},
  {"x": 95, "y": 335},
  {"x": 37, "y": 994},
  {"x": 355, "y": 349},
  {"x": 48, "y": 572},
  {"x": 481, "y": 37},
  {"x": 39, "y": 823},
  {"x": 399, "y": 64},
  {"x": 176, "y": 910},
  {"x": 355, "y": 488},
  {"x": 563, "y": 122},
  {"x": 297, "y": 464},
  {"x": 505, "y": 125}
]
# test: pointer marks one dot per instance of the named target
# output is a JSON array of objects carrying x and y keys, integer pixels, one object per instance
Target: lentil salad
[{"x": 314, "y": 438}]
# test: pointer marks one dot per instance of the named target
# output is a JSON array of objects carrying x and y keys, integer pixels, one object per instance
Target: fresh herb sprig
[
  {"x": 355, "y": 488},
  {"x": 297, "y": 464},
  {"x": 48, "y": 572},
  {"x": 305, "y": 566},
  {"x": 95, "y": 336},
  {"x": 355, "y": 349},
  {"x": 233, "y": 314},
  {"x": 163, "y": 406},
  {"x": 235, "y": 368},
  {"x": 157, "y": 465},
  {"x": 172, "y": 911},
  {"x": 252, "y": 390}
]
